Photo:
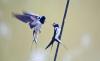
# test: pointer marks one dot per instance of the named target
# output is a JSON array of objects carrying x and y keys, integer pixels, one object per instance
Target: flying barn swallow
[{"x": 34, "y": 21}]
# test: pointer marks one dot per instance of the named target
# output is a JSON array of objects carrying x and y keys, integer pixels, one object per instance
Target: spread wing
[
  {"x": 23, "y": 18},
  {"x": 30, "y": 14}
]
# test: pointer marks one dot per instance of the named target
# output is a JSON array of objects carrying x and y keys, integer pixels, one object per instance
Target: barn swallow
[
  {"x": 34, "y": 21},
  {"x": 56, "y": 35}
]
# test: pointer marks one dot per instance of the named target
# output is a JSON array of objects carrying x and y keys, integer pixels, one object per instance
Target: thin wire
[{"x": 62, "y": 26}]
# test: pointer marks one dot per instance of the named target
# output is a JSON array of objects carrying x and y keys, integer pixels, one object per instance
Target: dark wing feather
[
  {"x": 30, "y": 14},
  {"x": 51, "y": 43},
  {"x": 23, "y": 18}
]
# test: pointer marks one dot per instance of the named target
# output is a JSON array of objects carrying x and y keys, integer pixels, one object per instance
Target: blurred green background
[{"x": 81, "y": 33}]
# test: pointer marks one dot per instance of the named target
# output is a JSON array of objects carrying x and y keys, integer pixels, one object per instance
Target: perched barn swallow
[
  {"x": 34, "y": 21},
  {"x": 56, "y": 35}
]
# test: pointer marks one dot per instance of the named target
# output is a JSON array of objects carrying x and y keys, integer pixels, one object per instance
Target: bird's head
[
  {"x": 42, "y": 19},
  {"x": 55, "y": 25}
]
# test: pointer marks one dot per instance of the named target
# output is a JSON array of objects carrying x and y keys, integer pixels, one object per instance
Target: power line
[{"x": 62, "y": 26}]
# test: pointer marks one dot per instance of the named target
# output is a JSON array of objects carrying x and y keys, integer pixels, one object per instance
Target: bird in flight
[{"x": 33, "y": 20}]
